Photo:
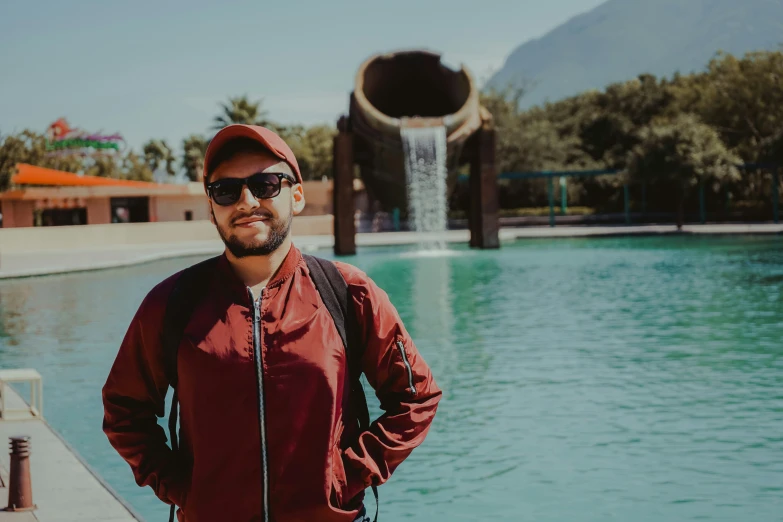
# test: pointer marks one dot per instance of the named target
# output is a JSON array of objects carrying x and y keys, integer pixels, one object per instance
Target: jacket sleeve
[
  {"x": 402, "y": 381},
  {"x": 133, "y": 395}
]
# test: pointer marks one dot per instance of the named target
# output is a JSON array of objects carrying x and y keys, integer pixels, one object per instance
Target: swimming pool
[{"x": 584, "y": 379}]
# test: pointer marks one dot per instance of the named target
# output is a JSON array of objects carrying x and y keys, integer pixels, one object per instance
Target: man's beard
[{"x": 278, "y": 232}]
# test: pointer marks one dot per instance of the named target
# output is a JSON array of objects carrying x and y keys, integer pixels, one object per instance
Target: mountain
[{"x": 621, "y": 39}]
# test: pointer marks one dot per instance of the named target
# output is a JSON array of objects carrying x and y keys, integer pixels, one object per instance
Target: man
[{"x": 267, "y": 427}]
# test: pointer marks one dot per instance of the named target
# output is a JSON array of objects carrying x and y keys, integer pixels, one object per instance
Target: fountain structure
[{"x": 412, "y": 123}]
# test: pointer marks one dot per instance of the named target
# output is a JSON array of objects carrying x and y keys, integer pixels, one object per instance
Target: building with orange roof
[{"x": 47, "y": 197}]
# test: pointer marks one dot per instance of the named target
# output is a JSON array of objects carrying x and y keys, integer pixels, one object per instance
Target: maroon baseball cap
[{"x": 262, "y": 135}]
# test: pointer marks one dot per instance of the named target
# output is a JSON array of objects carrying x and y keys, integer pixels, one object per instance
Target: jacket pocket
[
  {"x": 399, "y": 345},
  {"x": 338, "y": 478}
]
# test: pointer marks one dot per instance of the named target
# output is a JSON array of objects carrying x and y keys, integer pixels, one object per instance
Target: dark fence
[{"x": 606, "y": 192}]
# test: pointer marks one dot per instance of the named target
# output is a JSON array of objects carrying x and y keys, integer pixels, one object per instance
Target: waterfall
[{"x": 424, "y": 150}]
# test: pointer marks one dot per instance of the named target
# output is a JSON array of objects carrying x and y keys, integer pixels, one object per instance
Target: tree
[
  {"x": 136, "y": 168},
  {"x": 503, "y": 105},
  {"x": 105, "y": 166},
  {"x": 30, "y": 147},
  {"x": 13, "y": 150},
  {"x": 534, "y": 140},
  {"x": 241, "y": 110},
  {"x": 312, "y": 147},
  {"x": 611, "y": 119},
  {"x": 194, "y": 148},
  {"x": 772, "y": 150},
  {"x": 157, "y": 153},
  {"x": 740, "y": 97},
  {"x": 683, "y": 152}
]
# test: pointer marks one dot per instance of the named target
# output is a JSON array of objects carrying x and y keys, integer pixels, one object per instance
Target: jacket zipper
[
  {"x": 261, "y": 414},
  {"x": 407, "y": 367}
]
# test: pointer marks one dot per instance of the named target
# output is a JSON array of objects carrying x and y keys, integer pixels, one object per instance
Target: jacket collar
[{"x": 232, "y": 283}]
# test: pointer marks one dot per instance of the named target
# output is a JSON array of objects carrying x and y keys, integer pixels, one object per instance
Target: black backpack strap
[
  {"x": 333, "y": 289},
  {"x": 334, "y": 292},
  {"x": 188, "y": 290}
]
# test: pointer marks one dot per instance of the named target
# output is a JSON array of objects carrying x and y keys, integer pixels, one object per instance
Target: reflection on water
[{"x": 627, "y": 379}]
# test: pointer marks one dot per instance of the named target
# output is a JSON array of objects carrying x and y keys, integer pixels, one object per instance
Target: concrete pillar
[
  {"x": 98, "y": 210},
  {"x": 18, "y": 213},
  {"x": 342, "y": 192},
  {"x": 484, "y": 206}
]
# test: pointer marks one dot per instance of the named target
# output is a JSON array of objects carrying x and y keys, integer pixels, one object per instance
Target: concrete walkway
[
  {"x": 41, "y": 262},
  {"x": 64, "y": 488}
]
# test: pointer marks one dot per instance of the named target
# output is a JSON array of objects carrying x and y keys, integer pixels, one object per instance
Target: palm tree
[
  {"x": 157, "y": 153},
  {"x": 30, "y": 147},
  {"x": 194, "y": 147},
  {"x": 104, "y": 167},
  {"x": 241, "y": 110},
  {"x": 136, "y": 167}
]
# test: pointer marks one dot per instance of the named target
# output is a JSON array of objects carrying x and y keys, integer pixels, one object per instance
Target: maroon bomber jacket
[{"x": 267, "y": 424}]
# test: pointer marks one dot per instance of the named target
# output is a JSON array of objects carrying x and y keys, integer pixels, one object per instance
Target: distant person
[
  {"x": 379, "y": 218},
  {"x": 273, "y": 423}
]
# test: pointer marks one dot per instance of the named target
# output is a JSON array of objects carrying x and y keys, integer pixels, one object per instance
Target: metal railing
[{"x": 564, "y": 174}]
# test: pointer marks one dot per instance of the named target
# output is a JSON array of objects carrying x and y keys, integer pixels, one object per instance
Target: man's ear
[
  {"x": 297, "y": 198},
  {"x": 211, "y": 212}
]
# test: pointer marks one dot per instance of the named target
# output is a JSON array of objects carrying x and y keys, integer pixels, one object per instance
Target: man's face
[{"x": 255, "y": 227}]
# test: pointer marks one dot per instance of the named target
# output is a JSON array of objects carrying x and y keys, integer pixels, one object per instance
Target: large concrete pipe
[{"x": 410, "y": 88}]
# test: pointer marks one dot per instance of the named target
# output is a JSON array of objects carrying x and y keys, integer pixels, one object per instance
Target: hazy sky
[{"x": 158, "y": 69}]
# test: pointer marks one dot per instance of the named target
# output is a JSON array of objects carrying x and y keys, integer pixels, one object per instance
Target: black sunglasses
[{"x": 263, "y": 185}]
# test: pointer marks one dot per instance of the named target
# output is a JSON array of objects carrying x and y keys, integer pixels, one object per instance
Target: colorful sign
[{"x": 62, "y": 139}]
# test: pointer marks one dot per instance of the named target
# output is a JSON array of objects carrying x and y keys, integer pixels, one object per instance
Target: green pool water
[{"x": 584, "y": 380}]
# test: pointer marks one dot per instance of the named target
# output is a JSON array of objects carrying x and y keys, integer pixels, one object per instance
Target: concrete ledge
[
  {"x": 32, "y": 262},
  {"x": 45, "y": 262},
  {"x": 25, "y": 239},
  {"x": 640, "y": 230},
  {"x": 65, "y": 488}
]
